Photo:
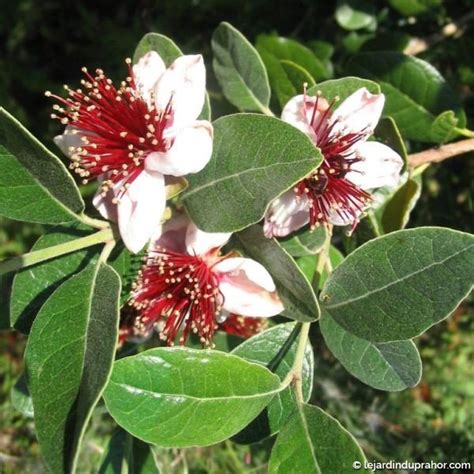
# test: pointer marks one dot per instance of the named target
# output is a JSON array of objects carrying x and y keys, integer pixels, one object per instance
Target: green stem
[
  {"x": 298, "y": 363},
  {"x": 37, "y": 256},
  {"x": 266, "y": 111},
  {"x": 96, "y": 223}
]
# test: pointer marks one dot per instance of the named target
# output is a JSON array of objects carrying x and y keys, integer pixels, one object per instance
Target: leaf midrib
[
  {"x": 392, "y": 283},
  {"x": 243, "y": 172},
  {"x": 131, "y": 388}
]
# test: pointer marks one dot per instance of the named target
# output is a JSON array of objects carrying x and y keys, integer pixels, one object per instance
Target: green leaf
[
  {"x": 32, "y": 286},
  {"x": 21, "y": 398},
  {"x": 308, "y": 264},
  {"x": 391, "y": 366},
  {"x": 291, "y": 50},
  {"x": 387, "y": 133},
  {"x": 293, "y": 288},
  {"x": 397, "y": 286},
  {"x": 355, "y": 14},
  {"x": 254, "y": 160},
  {"x": 275, "y": 348},
  {"x": 169, "y": 51},
  {"x": 398, "y": 208},
  {"x": 178, "y": 397},
  {"x": 69, "y": 360},
  {"x": 305, "y": 242},
  {"x": 415, "y": 91},
  {"x": 34, "y": 185},
  {"x": 239, "y": 70},
  {"x": 281, "y": 85},
  {"x": 343, "y": 88},
  {"x": 414, "y": 7},
  {"x": 297, "y": 75},
  {"x": 165, "y": 47},
  {"x": 314, "y": 442},
  {"x": 322, "y": 49},
  {"x": 127, "y": 455},
  {"x": 443, "y": 128}
]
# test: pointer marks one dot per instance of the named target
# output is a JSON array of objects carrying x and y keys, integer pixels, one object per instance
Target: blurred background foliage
[{"x": 44, "y": 45}]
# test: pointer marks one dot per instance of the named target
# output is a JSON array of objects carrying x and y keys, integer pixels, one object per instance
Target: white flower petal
[
  {"x": 359, "y": 112},
  {"x": 199, "y": 242},
  {"x": 341, "y": 219},
  {"x": 70, "y": 138},
  {"x": 247, "y": 287},
  {"x": 184, "y": 82},
  {"x": 286, "y": 214},
  {"x": 105, "y": 205},
  {"x": 140, "y": 209},
  {"x": 379, "y": 166},
  {"x": 172, "y": 234},
  {"x": 295, "y": 113},
  {"x": 302, "y": 114},
  {"x": 149, "y": 68},
  {"x": 190, "y": 152}
]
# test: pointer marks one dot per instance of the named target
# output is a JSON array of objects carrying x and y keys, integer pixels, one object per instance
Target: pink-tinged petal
[
  {"x": 190, "y": 152},
  {"x": 286, "y": 214},
  {"x": 247, "y": 287},
  {"x": 184, "y": 83},
  {"x": 105, "y": 205},
  {"x": 149, "y": 68},
  {"x": 171, "y": 235},
  {"x": 140, "y": 210},
  {"x": 302, "y": 114},
  {"x": 360, "y": 112},
  {"x": 199, "y": 242},
  {"x": 295, "y": 113},
  {"x": 342, "y": 219},
  {"x": 379, "y": 166},
  {"x": 70, "y": 139}
]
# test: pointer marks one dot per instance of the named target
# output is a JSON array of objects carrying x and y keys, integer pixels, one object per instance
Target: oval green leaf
[
  {"x": 239, "y": 70},
  {"x": 294, "y": 289},
  {"x": 415, "y": 91},
  {"x": 165, "y": 47},
  {"x": 397, "y": 211},
  {"x": 32, "y": 286},
  {"x": 275, "y": 348},
  {"x": 305, "y": 242},
  {"x": 69, "y": 360},
  {"x": 314, "y": 442},
  {"x": 390, "y": 366},
  {"x": 343, "y": 88},
  {"x": 297, "y": 75},
  {"x": 178, "y": 397},
  {"x": 291, "y": 50},
  {"x": 397, "y": 286},
  {"x": 355, "y": 14},
  {"x": 255, "y": 159},
  {"x": 34, "y": 184}
]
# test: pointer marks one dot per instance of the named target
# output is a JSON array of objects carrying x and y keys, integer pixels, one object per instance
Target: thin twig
[{"x": 435, "y": 155}]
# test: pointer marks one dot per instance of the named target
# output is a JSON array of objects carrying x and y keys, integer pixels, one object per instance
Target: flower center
[
  {"x": 116, "y": 128},
  {"x": 327, "y": 189},
  {"x": 182, "y": 289}
]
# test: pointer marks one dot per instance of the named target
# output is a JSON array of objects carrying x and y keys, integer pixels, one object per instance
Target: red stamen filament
[
  {"x": 327, "y": 189},
  {"x": 182, "y": 292},
  {"x": 117, "y": 128}
]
